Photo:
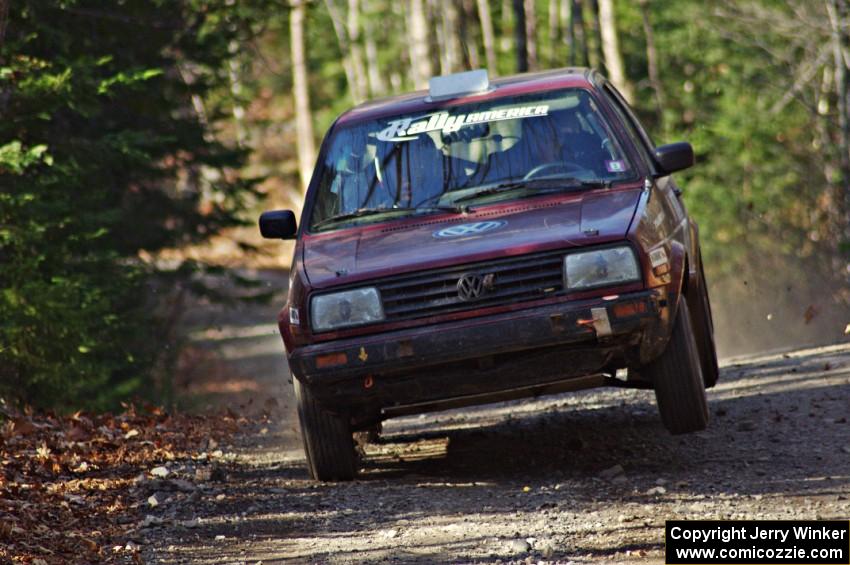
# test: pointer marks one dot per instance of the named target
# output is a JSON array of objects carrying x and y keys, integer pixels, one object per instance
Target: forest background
[{"x": 140, "y": 139}]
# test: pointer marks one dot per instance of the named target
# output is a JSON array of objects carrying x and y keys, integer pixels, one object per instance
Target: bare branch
[{"x": 804, "y": 77}]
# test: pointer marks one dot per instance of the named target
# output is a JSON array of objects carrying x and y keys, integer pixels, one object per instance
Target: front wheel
[
  {"x": 328, "y": 441},
  {"x": 677, "y": 377},
  {"x": 704, "y": 329}
]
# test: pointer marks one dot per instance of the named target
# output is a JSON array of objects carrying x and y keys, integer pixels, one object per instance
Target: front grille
[{"x": 503, "y": 281}]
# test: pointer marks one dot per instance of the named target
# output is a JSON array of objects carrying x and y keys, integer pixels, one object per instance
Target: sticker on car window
[
  {"x": 406, "y": 129},
  {"x": 615, "y": 166}
]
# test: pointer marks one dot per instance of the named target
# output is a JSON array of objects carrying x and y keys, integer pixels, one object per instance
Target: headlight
[
  {"x": 343, "y": 309},
  {"x": 600, "y": 267}
]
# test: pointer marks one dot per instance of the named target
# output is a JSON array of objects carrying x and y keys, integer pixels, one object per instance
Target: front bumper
[{"x": 479, "y": 355}]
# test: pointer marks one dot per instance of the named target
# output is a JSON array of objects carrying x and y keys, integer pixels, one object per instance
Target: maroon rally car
[{"x": 490, "y": 240}]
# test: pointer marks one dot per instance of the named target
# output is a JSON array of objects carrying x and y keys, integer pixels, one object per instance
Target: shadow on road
[{"x": 594, "y": 473}]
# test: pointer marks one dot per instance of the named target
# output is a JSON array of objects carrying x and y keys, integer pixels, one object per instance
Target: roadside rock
[
  {"x": 611, "y": 472},
  {"x": 160, "y": 472},
  {"x": 518, "y": 546}
]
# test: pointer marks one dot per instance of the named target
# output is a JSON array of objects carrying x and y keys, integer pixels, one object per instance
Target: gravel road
[{"x": 585, "y": 477}]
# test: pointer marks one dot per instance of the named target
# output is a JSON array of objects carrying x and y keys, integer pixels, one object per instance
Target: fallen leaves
[
  {"x": 811, "y": 312},
  {"x": 71, "y": 488}
]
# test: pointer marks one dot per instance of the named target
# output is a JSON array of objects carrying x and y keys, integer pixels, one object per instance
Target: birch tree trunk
[
  {"x": 345, "y": 49},
  {"x": 451, "y": 56},
  {"x": 233, "y": 75},
  {"x": 652, "y": 61},
  {"x": 611, "y": 49},
  {"x": 488, "y": 35},
  {"x": 520, "y": 38},
  {"x": 568, "y": 32},
  {"x": 506, "y": 25},
  {"x": 554, "y": 32},
  {"x": 373, "y": 73},
  {"x": 420, "y": 62},
  {"x": 353, "y": 28},
  {"x": 531, "y": 33},
  {"x": 301, "y": 94}
]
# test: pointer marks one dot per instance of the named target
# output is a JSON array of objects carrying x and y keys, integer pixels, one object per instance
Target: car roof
[{"x": 420, "y": 101}]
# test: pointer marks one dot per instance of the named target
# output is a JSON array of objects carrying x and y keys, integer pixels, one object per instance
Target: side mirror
[
  {"x": 675, "y": 156},
  {"x": 278, "y": 224}
]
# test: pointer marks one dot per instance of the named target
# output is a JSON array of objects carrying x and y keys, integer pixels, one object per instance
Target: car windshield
[{"x": 463, "y": 155}]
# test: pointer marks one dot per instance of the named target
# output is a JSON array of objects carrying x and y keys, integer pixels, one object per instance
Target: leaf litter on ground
[{"x": 76, "y": 488}]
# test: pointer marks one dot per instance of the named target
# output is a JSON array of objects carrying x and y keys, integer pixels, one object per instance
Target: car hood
[{"x": 514, "y": 228}]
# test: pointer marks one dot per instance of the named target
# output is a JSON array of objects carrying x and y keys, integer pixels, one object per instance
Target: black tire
[
  {"x": 677, "y": 377},
  {"x": 704, "y": 330},
  {"x": 328, "y": 441}
]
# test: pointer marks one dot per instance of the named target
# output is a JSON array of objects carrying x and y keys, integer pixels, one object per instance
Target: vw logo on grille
[
  {"x": 469, "y": 229},
  {"x": 470, "y": 287}
]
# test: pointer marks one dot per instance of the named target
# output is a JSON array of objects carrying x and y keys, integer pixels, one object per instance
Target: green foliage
[
  {"x": 103, "y": 156},
  {"x": 760, "y": 172}
]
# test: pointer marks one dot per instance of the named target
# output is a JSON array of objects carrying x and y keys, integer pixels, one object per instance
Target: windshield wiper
[
  {"x": 359, "y": 213},
  {"x": 588, "y": 184},
  {"x": 443, "y": 208},
  {"x": 547, "y": 185},
  {"x": 363, "y": 212}
]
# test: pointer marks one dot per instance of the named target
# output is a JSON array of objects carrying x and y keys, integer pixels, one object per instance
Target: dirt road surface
[{"x": 584, "y": 477}]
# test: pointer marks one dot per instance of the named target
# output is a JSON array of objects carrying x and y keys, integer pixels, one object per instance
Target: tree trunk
[
  {"x": 468, "y": 36},
  {"x": 520, "y": 38},
  {"x": 554, "y": 33},
  {"x": 579, "y": 35},
  {"x": 301, "y": 94},
  {"x": 652, "y": 61},
  {"x": 488, "y": 36},
  {"x": 4, "y": 19},
  {"x": 611, "y": 49},
  {"x": 439, "y": 36},
  {"x": 376, "y": 82},
  {"x": 842, "y": 91},
  {"x": 348, "y": 65},
  {"x": 531, "y": 33},
  {"x": 566, "y": 15},
  {"x": 233, "y": 75},
  {"x": 593, "y": 39},
  {"x": 353, "y": 28},
  {"x": 506, "y": 42},
  {"x": 447, "y": 39},
  {"x": 420, "y": 62}
]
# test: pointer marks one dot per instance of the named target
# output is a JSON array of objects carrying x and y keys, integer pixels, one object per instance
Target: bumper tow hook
[{"x": 599, "y": 322}]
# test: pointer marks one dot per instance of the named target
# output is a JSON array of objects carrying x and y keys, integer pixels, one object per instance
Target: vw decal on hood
[{"x": 469, "y": 229}]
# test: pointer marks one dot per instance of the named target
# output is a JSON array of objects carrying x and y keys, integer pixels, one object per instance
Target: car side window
[{"x": 642, "y": 142}]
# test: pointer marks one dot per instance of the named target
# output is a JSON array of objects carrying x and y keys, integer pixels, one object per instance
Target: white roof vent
[{"x": 458, "y": 84}]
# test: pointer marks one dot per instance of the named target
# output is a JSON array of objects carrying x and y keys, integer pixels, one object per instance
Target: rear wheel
[
  {"x": 677, "y": 377},
  {"x": 328, "y": 441},
  {"x": 704, "y": 330}
]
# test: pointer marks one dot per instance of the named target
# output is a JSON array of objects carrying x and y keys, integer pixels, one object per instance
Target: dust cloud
[{"x": 777, "y": 309}]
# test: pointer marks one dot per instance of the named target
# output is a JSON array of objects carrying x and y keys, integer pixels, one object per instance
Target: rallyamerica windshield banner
[
  {"x": 763, "y": 542},
  {"x": 406, "y": 129}
]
